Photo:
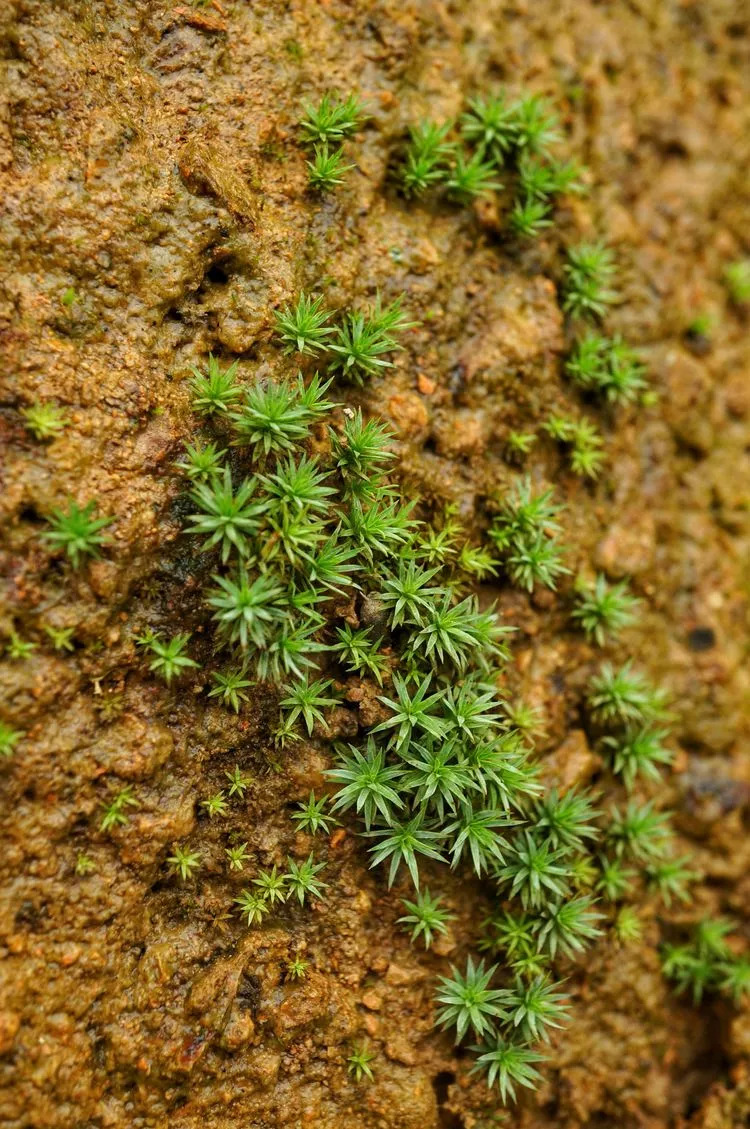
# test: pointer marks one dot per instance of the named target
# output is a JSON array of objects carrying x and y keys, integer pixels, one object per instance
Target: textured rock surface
[{"x": 148, "y": 167}]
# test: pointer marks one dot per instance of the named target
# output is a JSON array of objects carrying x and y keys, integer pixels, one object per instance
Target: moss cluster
[
  {"x": 325, "y": 580},
  {"x": 495, "y": 136}
]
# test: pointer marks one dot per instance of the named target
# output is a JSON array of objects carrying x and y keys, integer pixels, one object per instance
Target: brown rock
[
  {"x": 10, "y": 1021},
  {"x": 239, "y": 1029},
  {"x": 521, "y": 322},
  {"x": 739, "y": 1035},
  {"x": 173, "y": 821},
  {"x": 461, "y": 433},
  {"x": 212, "y": 991},
  {"x": 104, "y": 577},
  {"x": 398, "y": 975},
  {"x": 444, "y": 943},
  {"x": 340, "y": 723},
  {"x": 399, "y": 1049},
  {"x": 628, "y": 546},
  {"x": 408, "y": 413},
  {"x": 263, "y": 1067},
  {"x": 132, "y": 749},
  {"x": 304, "y": 1002},
  {"x": 572, "y": 763},
  {"x": 737, "y": 393}
]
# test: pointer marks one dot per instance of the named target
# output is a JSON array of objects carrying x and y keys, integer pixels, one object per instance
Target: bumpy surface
[{"x": 155, "y": 208}]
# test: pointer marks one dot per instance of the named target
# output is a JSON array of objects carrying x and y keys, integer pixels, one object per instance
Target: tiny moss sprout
[
  {"x": 509, "y": 1064},
  {"x": 237, "y": 856},
  {"x": 215, "y": 391},
  {"x": 527, "y": 719},
  {"x": 491, "y": 124},
  {"x": 426, "y": 919},
  {"x": 583, "y": 873},
  {"x": 520, "y": 442},
  {"x": 737, "y": 281},
  {"x": 84, "y": 865},
  {"x": 366, "y": 783},
  {"x": 534, "y": 871},
  {"x": 229, "y": 687},
  {"x": 215, "y": 805},
  {"x": 252, "y": 907},
  {"x": 307, "y": 700},
  {"x": 609, "y": 367},
  {"x": 183, "y": 862},
  {"x": 567, "y": 820},
  {"x": 589, "y": 273},
  {"x": 467, "y": 1001},
  {"x": 311, "y": 816},
  {"x": 476, "y": 562},
  {"x": 359, "y": 653},
  {"x": 359, "y": 1064},
  {"x": 615, "y": 879},
  {"x": 238, "y": 782},
  {"x": 273, "y": 417},
  {"x": 536, "y": 125},
  {"x": 638, "y": 752},
  {"x": 701, "y": 327},
  {"x": 19, "y": 649},
  {"x": 427, "y": 157},
  {"x": 569, "y": 925},
  {"x": 405, "y": 843},
  {"x": 735, "y": 979},
  {"x": 116, "y": 811},
  {"x": 77, "y": 531},
  {"x": 202, "y": 463},
  {"x": 541, "y": 179},
  {"x": 44, "y": 420},
  {"x": 534, "y": 1006},
  {"x": 470, "y": 177},
  {"x": 169, "y": 659},
  {"x": 500, "y": 127},
  {"x": 530, "y": 217},
  {"x": 703, "y": 964},
  {"x": 224, "y": 516},
  {"x": 327, "y": 169},
  {"x": 363, "y": 341},
  {"x": 625, "y": 696},
  {"x": 638, "y": 831},
  {"x": 302, "y": 881},
  {"x": 61, "y": 638},
  {"x": 604, "y": 609},
  {"x": 303, "y": 327},
  {"x": 586, "y": 456},
  {"x": 628, "y": 926},
  {"x": 110, "y": 705},
  {"x": 525, "y": 533},
  {"x": 271, "y": 885},
  {"x": 536, "y": 561},
  {"x": 9, "y": 738},
  {"x": 296, "y": 968},
  {"x": 671, "y": 878},
  {"x": 332, "y": 119}
]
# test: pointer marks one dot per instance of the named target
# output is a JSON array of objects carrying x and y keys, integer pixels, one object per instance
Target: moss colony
[
  {"x": 366, "y": 813},
  {"x": 328, "y": 584}
]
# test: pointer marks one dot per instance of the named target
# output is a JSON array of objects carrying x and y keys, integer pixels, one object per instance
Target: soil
[{"x": 155, "y": 209}]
